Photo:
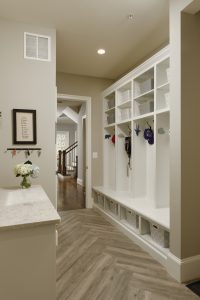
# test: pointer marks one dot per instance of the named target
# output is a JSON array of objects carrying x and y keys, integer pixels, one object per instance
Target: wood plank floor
[
  {"x": 96, "y": 261},
  {"x": 70, "y": 195}
]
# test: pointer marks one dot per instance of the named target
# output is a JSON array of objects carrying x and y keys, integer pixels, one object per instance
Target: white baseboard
[
  {"x": 184, "y": 270},
  {"x": 80, "y": 181}
]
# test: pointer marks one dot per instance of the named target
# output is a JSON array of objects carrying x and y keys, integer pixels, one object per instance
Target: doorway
[{"x": 75, "y": 192}]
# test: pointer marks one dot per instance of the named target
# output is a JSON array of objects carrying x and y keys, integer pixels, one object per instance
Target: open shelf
[
  {"x": 144, "y": 104},
  {"x": 109, "y": 117},
  {"x": 163, "y": 97},
  {"x": 124, "y": 93},
  {"x": 144, "y": 83},
  {"x": 109, "y": 101},
  {"x": 123, "y": 114},
  {"x": 162, "y": 72}
]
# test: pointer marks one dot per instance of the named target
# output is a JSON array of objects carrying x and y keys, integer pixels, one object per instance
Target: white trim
[
  {"x": 185, "y": 269},
  {"x": 80, "y": 181},
  {"x": 88, "y": 101}
]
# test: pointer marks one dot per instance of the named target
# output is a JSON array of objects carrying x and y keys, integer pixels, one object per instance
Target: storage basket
[
  {"x": 100, "y": 200},
  {"x": 146, "y": 107},
  {"x": 111, "y": 118},
  {"x": 111, "y": 103},
  {"x": 132, "y": 218},
  {"x": 125, "y": 96},
  {"x": 95, "y": 197},
  {"x": 144, "y": 86},
  {"x": 112, "y": 206},
  {"x": 159, "y": 235},
  {"x": 125, "y": 114}
]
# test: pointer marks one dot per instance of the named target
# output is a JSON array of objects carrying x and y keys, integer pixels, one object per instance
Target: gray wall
[
  {"x": 27, "y": 84},
  {"x": 190, "y": 142},
  {"x": 87, "y": 86},
  {"x": 184, "y": 144}
]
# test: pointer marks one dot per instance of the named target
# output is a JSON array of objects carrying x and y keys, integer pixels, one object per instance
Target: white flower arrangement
[{"x": 27, "y": 169}]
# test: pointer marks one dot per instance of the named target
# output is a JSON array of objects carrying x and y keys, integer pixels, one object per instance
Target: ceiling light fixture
[
  {"x": 101, "y": 51},
  {"x": 130, "y": 17}
]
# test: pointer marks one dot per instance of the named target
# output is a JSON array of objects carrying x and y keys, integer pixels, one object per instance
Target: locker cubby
[
  {"x": 123, "y": 168},
  {"x": 109, "y": 117},
  {"x": 163, "y": 97},
  {"x": 112, "y": 207},
  {"x": 162, "y": 73},
  {"x": 124, "y": 113},
  {"x": 109, "y": 158},
  {"x": 143, "y": 162},
  {"x": 109, "y": 101},
  {"x": 144, "y": 104},
  {"x": 124, "y": 94},
  {"x": 144, "y": 83},
  {"x": 162, "y": 159},
  {"x": 129, "y": 218}
]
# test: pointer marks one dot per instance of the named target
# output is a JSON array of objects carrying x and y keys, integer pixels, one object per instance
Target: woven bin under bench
[{"x": 159, "y": 235}]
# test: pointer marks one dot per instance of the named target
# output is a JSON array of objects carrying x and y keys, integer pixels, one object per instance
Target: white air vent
[{"x": 37, "y": 46}]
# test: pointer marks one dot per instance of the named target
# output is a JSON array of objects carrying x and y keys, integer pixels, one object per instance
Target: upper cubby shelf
[
  {"x": 109, "y": 102},
  {"x": 144, "y": 83},
  {"x": 124, "y": 94},
  {"x": 162, "y": 73},
  {"x": 144, "y": 104}
]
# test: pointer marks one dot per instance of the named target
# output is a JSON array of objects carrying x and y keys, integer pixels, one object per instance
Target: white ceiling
[
  {"x": 84, "y": 26},
  {"x": 65, "y": 121}
]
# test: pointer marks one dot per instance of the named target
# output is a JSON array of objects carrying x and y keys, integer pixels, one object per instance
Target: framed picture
[{"x": 24, "y": 126}]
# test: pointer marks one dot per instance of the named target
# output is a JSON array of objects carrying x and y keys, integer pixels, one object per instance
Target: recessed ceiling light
[
  {"x": 101, "y": 51},
  {"x": 130, "y": 17}
]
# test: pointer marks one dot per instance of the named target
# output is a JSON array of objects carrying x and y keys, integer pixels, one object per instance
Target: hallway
[
  {"x": 96, "y": 261},
  {"x": 70, "y": 195}
]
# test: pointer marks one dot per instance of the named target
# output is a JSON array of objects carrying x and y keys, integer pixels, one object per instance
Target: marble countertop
[{"x": 25, "y": 207}]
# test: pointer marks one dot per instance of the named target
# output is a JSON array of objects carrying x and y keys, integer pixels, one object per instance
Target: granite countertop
[{"x": 25, "y": 207}]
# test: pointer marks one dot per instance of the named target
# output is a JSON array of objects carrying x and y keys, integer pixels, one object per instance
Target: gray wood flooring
[{"x": 96, "y": 261}]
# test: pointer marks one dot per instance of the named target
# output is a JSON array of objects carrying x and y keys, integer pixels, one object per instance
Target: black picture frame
[{"x": 24, "y": 127}]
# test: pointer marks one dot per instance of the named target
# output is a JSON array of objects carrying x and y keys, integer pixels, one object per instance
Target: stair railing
[{"x": 68, "y": 160}]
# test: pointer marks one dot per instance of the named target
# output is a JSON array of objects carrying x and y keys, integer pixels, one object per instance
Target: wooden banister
[{"x": 67, "y": 160}]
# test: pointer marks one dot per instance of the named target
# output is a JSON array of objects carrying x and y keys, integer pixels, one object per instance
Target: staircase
[{"x": 68, "y": 161}]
